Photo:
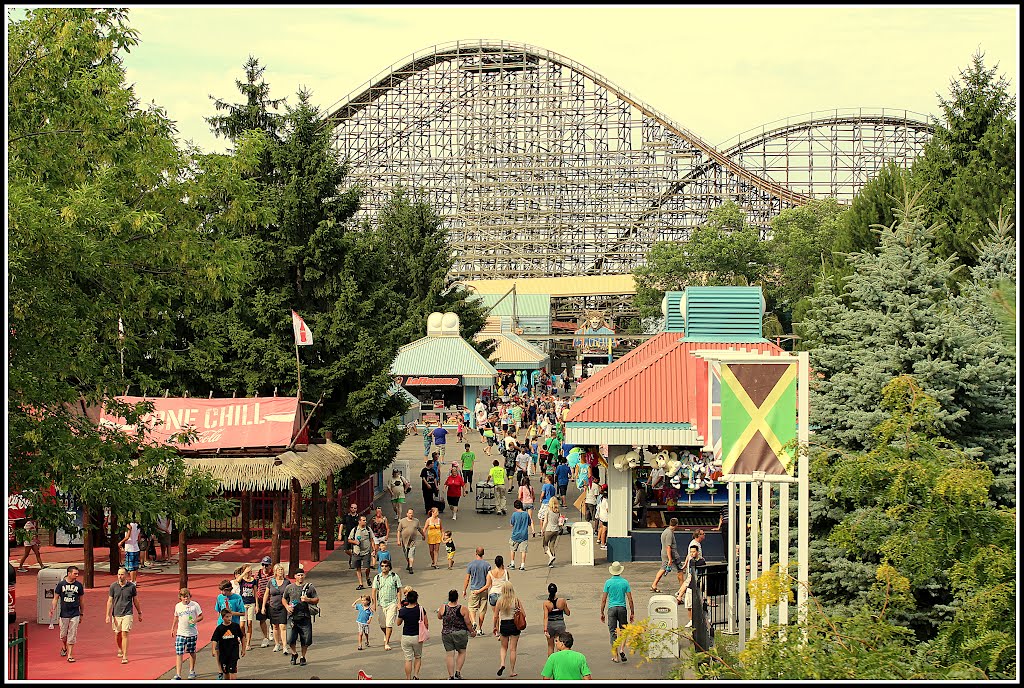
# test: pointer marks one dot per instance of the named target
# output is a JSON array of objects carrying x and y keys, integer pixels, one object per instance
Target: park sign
[
  {"x": 429, "y": 380},
  {"x": 235, "y": 423},
  {"x": 758, "y": 417}
]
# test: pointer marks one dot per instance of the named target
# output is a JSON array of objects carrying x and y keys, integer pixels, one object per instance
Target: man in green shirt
[
  {"x": 498, "y": 478},
  {"x": 468, "y": 458},
  {"x": 565, "y": 664}
]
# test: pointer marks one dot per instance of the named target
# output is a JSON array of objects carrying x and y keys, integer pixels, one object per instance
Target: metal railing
[{"x": 17, "y": 652}]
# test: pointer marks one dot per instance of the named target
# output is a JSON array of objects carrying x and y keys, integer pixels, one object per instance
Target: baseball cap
[{"x": 266, "y": 560}]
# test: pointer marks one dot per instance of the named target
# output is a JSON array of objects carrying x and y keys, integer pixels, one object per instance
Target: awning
[
  {"x": 514, "y": 353},
  {"x": 263, "y": 473}
]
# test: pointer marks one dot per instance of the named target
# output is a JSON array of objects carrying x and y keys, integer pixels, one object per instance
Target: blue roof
[
  {"x": 441, "y": 356},
  {"x": 723, "y": 314}
]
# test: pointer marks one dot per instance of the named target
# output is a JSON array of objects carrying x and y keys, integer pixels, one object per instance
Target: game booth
[
  {"x": 657, "y": 415},
  {"x": 443, "y": 372}
]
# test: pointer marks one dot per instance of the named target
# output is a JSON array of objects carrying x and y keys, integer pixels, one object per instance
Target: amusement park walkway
[{"x": 333, "y": 654}]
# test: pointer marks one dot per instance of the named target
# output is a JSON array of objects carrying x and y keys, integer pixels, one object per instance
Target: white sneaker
[
  {"x": 265, "y": 643},
  {"x": 277, "y": 648},
  {"x": 689, "y": 624},
  {"x": 522, "y": 567},
  {"x": 455, "y": 516}
]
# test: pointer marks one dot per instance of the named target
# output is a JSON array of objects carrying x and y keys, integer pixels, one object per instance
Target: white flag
[{"x": 303, "y": 335}]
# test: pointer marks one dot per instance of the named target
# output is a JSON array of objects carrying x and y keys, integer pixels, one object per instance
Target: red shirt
[{"x": 454, "y": 484}]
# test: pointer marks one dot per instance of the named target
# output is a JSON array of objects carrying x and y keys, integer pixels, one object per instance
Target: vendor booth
[
  {"x": 517, "y": 357},
  {"x": 443, "y": 372},
  {"x": 659, "y": 412}
]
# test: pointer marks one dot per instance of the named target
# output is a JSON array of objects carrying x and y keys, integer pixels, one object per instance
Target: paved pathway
[{"x": 334, "y": 655}]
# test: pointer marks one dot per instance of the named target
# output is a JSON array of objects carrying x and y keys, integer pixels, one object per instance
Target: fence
[
  {"x": 261, "y": 511},
  {"x": 712, "y": 581},
  {"x": 17, "y": 653}
]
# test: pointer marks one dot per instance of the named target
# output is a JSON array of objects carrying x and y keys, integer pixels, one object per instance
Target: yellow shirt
[{"x": 497, "y": 475}]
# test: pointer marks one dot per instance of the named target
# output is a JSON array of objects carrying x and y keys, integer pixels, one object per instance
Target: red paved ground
[{"x": 151, "y": 646}]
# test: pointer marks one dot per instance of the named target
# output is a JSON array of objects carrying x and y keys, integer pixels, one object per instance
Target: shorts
[
  {"x": 278, "y": 616},
  {"x": 410, "y": 551},
  {"x": 456, "y": 641},
  {"x": 387, "y": 615},
  {"x": 301, "y": 631},
  {"x": 261, "y": 616},
  {"x": 440, "y": 448},
  {"x": 165, "y": 540},
  {"x": 527, "y": 506},
  {"x": 555, "y": 627},
  {"x": 667, "y": 565},
  {"x": 451, "y": 555},
  {"x": 490, "y": 441},
  {"x": 362, "y": 629},
  {"x": 589, "y": 512},
  {"x": 562, "y": 489},
  {"x": 518, "y": 545},
  {"x": 250, "y": 612},
  {"x": 131, "y": 561},
  {"x": 411, "y": 647},
  {"x": 398, "y": 499},
  {"x": 122, "y": 624},
  {"x": 475, "y": 600},
  {"x": 507, "y": 628},
  {"x": 361, "y": 561},
  {"x": 688, "y": 598},
  {"x": 454, "y": 501},
  {"x": 492, "y": 598},
  {"x": 69, "y": 629},
  {"x": 229, "y": 665},
  {"x": 185, "y": 644}
]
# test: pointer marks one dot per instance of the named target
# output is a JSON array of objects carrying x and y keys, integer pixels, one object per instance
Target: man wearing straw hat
[{"x": 616, "y": 594}]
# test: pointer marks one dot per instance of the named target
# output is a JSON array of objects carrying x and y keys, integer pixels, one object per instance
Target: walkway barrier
[
  {"x": 712, "y": 579},
  {"x": 17, "y": 652}
]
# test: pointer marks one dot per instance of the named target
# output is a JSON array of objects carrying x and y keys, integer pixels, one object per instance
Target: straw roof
[{"x": 261, "y": 472}]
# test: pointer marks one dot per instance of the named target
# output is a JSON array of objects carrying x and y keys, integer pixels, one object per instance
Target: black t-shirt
[
  {"x": 229, "y": 639},
  {"x": 410, "y": 616},
  {"x": 427, "y": 475},
  {"x": 70, "y": 595},
  {"x": 247, "y": 589}
]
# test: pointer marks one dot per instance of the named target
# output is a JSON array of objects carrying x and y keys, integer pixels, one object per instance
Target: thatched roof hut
[{"x": 276, "y": 472}]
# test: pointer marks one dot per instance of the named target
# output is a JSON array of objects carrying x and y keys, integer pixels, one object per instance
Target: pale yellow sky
[{"x": 716, "y": 71}]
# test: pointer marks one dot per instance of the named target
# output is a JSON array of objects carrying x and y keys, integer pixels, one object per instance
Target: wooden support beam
[
  {"x": 89, "y": 577},
  {"x": 275, "y": 533},
  {"x": 293, "y": 540},
  {"x": 246, "y": 517},
  {"x": 115, "y": 552},
  {"x": 332, "y": 512},
  {"x": 314, "y": 523},
  {"x": 182, "y": 559}
]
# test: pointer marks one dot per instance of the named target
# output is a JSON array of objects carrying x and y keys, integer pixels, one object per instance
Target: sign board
[
  {"x": 220, "y": 423},
  {"x": 429, "y": 381},
  {"x": 430, "y": 417},
  {"x": 438, "y": 404}
]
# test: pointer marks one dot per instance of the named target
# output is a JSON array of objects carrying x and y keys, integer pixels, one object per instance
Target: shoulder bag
[
  {"x": 519, "y": 617},
  {"x": 314, "y": 610},
  {"x": 424, "y": 634}
]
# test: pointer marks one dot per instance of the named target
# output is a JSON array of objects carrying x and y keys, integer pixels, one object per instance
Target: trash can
[
  {"x": 663, "y": 613},
  {"x": 582, "y": 543},
  {"x": 46, "y": 580}
]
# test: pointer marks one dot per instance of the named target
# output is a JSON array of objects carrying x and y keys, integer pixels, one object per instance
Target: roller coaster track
[{"x": 543, "y": 166}]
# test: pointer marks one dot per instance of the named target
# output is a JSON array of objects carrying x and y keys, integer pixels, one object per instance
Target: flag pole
[{"x": 298, "y": 371}]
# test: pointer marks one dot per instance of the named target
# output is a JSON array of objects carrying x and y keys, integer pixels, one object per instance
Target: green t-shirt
[
  {"x": 566, "y": 665},
  {"x": 467, "y": 460},
  {"x": 497, "y": 474}
]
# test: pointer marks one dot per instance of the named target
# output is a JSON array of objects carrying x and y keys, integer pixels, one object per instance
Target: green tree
[
  {"x": 969, "y": 166},
  {"x": 255, "y": 113},
  {"x": 96, "y": 237},
  {"x": 800, "y": 248},
  {"x": 895, "y": 316},
  {"x": 725, "y": 250},
  {"x": 874, "y": 205}
]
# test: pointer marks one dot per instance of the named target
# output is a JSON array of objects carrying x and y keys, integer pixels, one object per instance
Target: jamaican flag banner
[{"x": 758, "y": 417}]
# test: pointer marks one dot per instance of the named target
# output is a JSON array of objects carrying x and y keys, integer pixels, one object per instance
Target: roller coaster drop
[{"x": 542, "y": 167}]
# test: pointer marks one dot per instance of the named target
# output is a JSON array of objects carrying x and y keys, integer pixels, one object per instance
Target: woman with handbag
[
  {"x": 509, "y": 620},
  {"x": 555, "y": 610},
  {"x": 415, "y": 631},
  {"x": 434, "y": 530}
]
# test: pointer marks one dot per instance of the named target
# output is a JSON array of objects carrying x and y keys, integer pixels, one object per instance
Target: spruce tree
[{"x": 895, "y": 316}]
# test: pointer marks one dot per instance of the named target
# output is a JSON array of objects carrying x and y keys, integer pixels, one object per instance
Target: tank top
[
  {"x": 556, "y": 615},
  {"x": 379, "y": 529},
  {"x": 452, "y": 621},
  {"x": 498, "y": 585},
  {"x": 247, "y": 589},
  {"x": 525, "y": 495}
]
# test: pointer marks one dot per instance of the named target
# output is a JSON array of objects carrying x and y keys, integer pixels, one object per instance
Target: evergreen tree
[
  {"x": 969, "y": 166},
  {"x": 894, "y": 317},
  {"x": 255, "y": 113},
  {"x": 873, "y": 205}
]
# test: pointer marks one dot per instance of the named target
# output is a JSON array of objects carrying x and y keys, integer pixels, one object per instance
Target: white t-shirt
[
  {"x": 132, "y": 544},
  {"x": 187, "y": 615},
  {"x": 602, "y": 510}
]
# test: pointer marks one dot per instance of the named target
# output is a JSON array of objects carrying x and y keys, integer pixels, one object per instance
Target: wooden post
[
  {"x": 182, "y": 559},
  {"x": 314, "y": 523},
  {"x": 90, "y": 559},
  {"x": 246, "y": 531},
  {"x": 332, "y": 512},
  {"x": 115, "y": 551},
  {"x": 293, "y": 541},
  {"x": 275, "y": 534}
]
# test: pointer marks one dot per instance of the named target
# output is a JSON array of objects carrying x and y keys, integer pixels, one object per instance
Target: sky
[{"x": 714, "y": 70}]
